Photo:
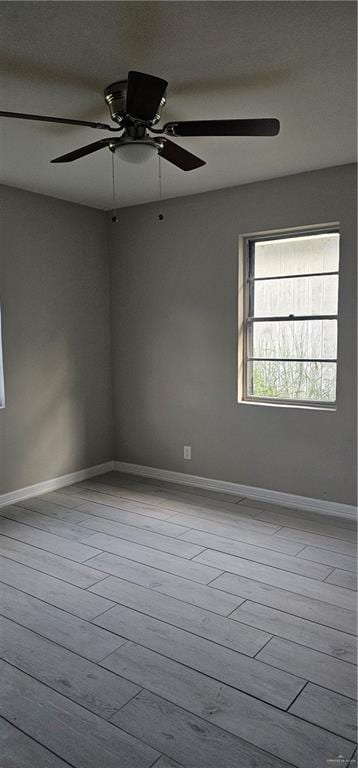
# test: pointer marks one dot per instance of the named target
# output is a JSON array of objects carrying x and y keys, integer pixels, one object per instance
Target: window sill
[{"x": 297, "y": 406}]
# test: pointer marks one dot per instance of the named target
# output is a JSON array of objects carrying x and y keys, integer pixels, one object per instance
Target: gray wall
[
  {"x": 54, "y": 295},
  {"x": 174, "y": 340}
]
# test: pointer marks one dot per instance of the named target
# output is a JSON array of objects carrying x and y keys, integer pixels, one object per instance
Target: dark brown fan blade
[
  {"x": 259, "y": 127},
  {"x": 63, "y": 120},
  {"x": 144, "y": 95},
  {"x": 82, "y": 151},
  {"x": 178, "y": 156}
]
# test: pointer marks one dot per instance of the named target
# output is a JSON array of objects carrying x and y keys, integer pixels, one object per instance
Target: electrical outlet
[{"x": 187, "y": 451}]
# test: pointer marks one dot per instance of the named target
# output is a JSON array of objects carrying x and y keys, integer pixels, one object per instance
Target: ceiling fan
[{"x": 135, "y": 107}]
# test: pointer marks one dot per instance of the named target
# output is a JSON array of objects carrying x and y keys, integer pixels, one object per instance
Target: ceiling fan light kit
[
  {"x": 135, "y": 107},
  {"x": 134, "y": 150}
]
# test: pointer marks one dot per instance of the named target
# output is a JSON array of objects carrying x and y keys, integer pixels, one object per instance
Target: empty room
[{"x": 178, "y": 384}]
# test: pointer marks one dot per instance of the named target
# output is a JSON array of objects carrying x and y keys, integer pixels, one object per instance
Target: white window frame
[{"x": 249, "y": 319}]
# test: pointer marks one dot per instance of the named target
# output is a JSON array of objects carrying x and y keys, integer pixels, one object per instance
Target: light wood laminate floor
[{"x": 147, "y": 624}]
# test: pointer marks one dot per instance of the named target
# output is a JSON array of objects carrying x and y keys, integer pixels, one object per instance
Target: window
[
  {"x": 291, "y": 318},
  {"x": 2, "y": 387}
]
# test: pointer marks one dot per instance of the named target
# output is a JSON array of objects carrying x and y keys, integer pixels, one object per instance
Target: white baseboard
[
  {"x": 250, "y": 492},
  {"x": 54, "y": 484},
  {"x": 260, "y": 494}
]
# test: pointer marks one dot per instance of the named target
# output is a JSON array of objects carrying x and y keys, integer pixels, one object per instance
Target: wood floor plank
[
  {"x": 199, "y": 518},
  {"x": 200, "y": 506},
  {"x": 169, "y": 527},
  {"x": 275, "y": 577},
  {"x": 181, "y": 489},
  {"x": 261, "y": 506},
  {"x": 78, "y": 601},
  {"x": 166, "y": 583},
  {"x": 230, "y": 667},
  {"x": 165, "y": 762},
  {"x": 298, "y": 605},
  {"x": 278, "y": 733},
  {"x": 307, "y": 514},
  {"x": 80, "y": 680},
  {"x": 67, "y": 729},
  {"x": 63, "y": 528},
  {"x": 258, "y": 554},
  {"x": 337, "y": 560},
  {"x": 50, "y": 542},
  {"x": 186, "y": 737},
  {"x": 75, "y": 573},
  {"x": 317, "y": 540},
  {"x": 148, "y": 556},
  {"x": 329, "y": 710},
  {"x": 203, "y": 623},
  {"x": 63, "y": 628},
  {"x": 317, "y": 667},
  {"x": 51, "y": 509},
  {"x": 342, "y": 579},
  {"x": 165, "y": 494},
  {"x": 120, "y": 480},
  {"x": 214, "y": 511},
  {"x": 184, "y": 490},
  {"x": 320, "y": 638},
  {"x": 135, "y": 519},
  {"x": 235, "y": 515},
  {"x": 19, "y": 751},
  {"x": 245, "y": 508},
  {"x": 137, "y": 492},
  {"x": 172, "y": 546},
  {"x": 172, "y": 504},
  {"x": 199, "y": 745},
  {"x": 314, "y": 523},
  {"x": 61, "y": 499},
  {"x": 138, "y": 507},
  {"x": 238, "y": 533}
]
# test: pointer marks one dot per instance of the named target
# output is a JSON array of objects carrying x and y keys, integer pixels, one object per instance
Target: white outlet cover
[{"x": 187, "y": 451}]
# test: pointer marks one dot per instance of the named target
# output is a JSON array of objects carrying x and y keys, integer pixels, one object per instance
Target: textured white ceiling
[{"x": 292, "y": 60}]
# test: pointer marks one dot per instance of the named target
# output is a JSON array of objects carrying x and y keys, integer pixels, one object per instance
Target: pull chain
[
  {"x": 161, "y": 215},
  {"x": 114, "y": 217},
  {"x": 160, "y": 178}
]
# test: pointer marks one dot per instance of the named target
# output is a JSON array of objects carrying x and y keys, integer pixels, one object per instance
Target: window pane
[
  {"x": 296, "y": 296},
  {"x": 297, "y": 255},
  {"x": 292, "y": 381},
  {"x": 295, "y": 338}
]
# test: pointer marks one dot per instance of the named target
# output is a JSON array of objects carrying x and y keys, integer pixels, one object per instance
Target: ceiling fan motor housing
[{"x": 116, "y": 98}]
